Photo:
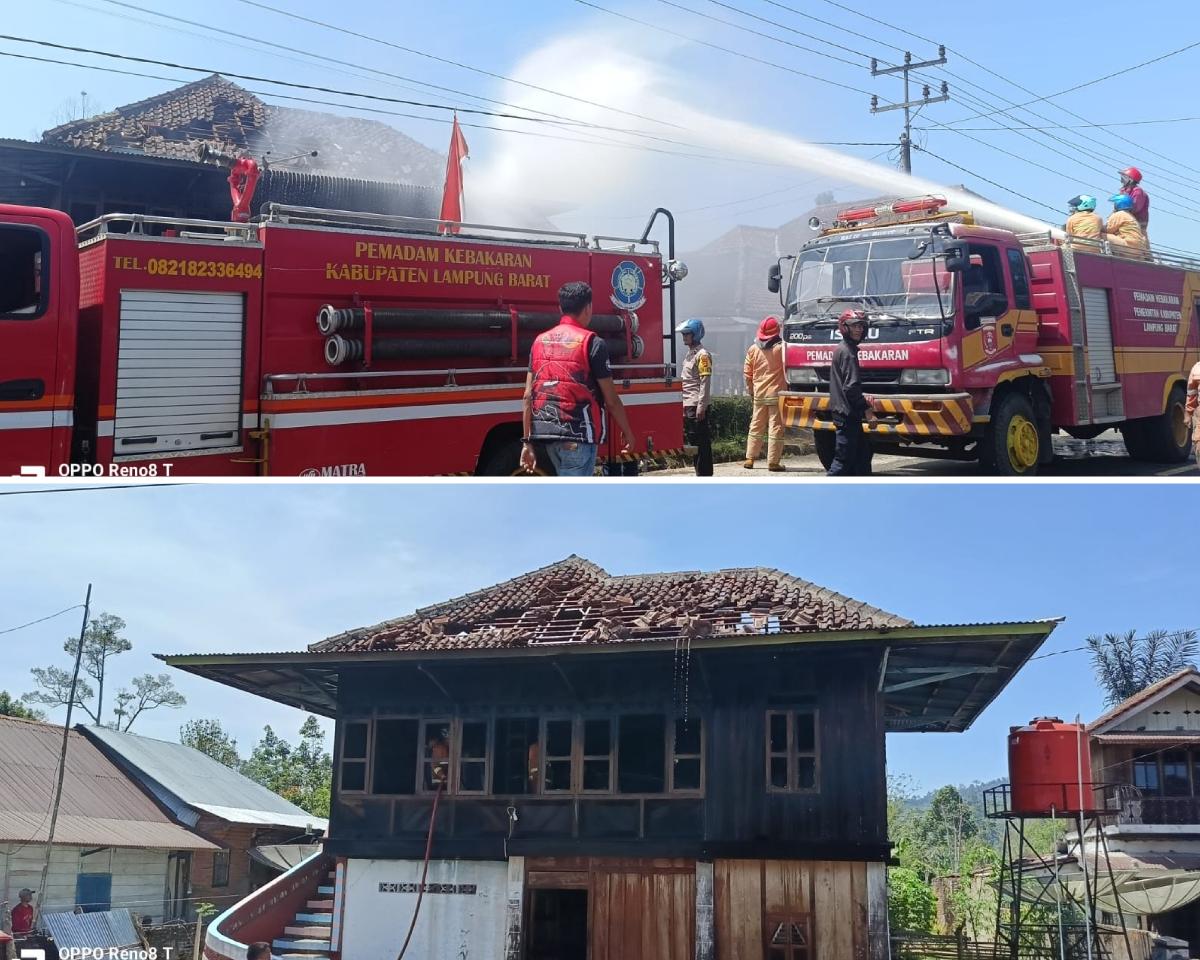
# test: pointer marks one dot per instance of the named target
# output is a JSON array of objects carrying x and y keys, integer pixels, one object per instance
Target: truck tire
[
  {"x": 1161, "y": 439},
  {"x": 825, "y": 441},
  {"x": 1012, "y": 446},
  {"x": 505, "y": 461}
]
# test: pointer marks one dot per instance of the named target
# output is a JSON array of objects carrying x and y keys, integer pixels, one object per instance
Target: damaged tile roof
[
  {"x": 575, "y": 602},
  {"x": 219, "y": 113}
]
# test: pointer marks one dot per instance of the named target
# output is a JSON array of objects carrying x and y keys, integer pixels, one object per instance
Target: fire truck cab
[
  {"x": 982, "y": 342},
  {"x": 305, "y": 342}
]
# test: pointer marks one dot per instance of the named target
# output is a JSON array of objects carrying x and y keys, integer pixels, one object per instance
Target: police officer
[
  {"x": 697, "y": 389},
  {"x": 852, "y": 450}
]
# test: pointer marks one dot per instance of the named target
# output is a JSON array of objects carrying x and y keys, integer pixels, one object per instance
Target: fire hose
[
  {"x": 331, "y": 320},
  {"x": 339, "y": 350},
  {"x": 424, "y": 871}
]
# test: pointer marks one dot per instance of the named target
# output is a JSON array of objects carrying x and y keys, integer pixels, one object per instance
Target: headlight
[
  {"x": 924, "y": 378},
  {"x": 804, "y": 375}
]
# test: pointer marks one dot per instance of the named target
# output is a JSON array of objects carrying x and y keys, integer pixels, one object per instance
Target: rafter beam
[{"x": 935, "y": 675}]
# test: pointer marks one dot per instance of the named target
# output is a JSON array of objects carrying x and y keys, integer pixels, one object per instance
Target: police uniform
[{"x": 697, "y": 387}]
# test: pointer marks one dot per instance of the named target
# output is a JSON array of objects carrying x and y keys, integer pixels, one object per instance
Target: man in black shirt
[{"x": 852, "y": 449}]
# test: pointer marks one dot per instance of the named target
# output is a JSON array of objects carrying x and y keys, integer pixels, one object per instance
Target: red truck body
[
  {"x": 1077, "y": 337},
  {"x": 193, "y": 348}
]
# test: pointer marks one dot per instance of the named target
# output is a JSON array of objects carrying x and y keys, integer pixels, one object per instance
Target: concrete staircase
[{"x": 307, "y": 937}]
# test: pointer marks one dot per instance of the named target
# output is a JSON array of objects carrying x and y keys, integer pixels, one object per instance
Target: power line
[
  {"x": 83, "y": 489},
  {"x": 454, "y": 63},
  {"x": 1080, "y": 126},
  {"x": 31, "y": 623},
  {"x": 978, "y": 176}
]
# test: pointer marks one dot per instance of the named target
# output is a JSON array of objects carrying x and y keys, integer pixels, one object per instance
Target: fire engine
[
  {"x": 983, "y": 342},
  {"x": 305, "y": 341}
]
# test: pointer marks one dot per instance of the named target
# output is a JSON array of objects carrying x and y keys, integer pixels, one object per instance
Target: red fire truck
[
  {"x": 982, "y": 342},
  {"x": 306, "y": 342}
]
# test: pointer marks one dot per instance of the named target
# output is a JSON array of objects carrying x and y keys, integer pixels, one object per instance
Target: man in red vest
[{"x": 567, "y": 390}]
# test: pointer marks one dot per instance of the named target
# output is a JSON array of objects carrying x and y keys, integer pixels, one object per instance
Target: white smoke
[{"x": 595, "y": 180}]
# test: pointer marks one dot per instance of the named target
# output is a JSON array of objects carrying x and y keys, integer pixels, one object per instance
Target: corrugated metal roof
[
  {"x": 91, "y": 931},
  {"x": 197, "y": 780},
  {"x": 101, "y": 805}
]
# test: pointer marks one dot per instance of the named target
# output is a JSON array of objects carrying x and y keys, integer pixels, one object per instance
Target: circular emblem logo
[
  {"x": 629, "y": 286},
  {"x": 310, "y": 472}
]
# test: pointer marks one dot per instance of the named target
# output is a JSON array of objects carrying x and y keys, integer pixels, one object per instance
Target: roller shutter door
[
  {"x": 179, "y": 371},
  {"x": 1099, "y": 335}
]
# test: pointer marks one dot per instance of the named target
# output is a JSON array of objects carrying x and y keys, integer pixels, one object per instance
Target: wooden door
[{"x": 643, "y": 908}]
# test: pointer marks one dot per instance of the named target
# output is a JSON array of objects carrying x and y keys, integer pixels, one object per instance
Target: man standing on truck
[
  {"x": 849, "y": 405},
  {"x": 568, "y": 386},
  {"x": 1131, "y": 186},
  {"x": 696, "y": 382},
  {"x": 765, "y": 378},
  {"x": 1193, "y": 401}
]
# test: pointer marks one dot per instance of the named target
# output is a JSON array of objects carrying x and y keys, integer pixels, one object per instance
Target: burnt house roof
[
  {"x": 218, "y": 112},
  {"x": 931, "y": 677}
]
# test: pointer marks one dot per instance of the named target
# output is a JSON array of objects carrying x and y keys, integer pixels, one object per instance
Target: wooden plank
[
  {"x": 632, "y": 915},
  {"x": 877, "y": 916},
  {"x": 660, "y": 938},
  {"x": 705, "y": 917},
  {"x": 825, "y": 915}
]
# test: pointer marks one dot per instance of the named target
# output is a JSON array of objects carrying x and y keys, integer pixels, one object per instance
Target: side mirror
[
  {"x": 774, "y": 278},
  {"x": 957, "y": 255},
  {"x": 988, "y": 304}
]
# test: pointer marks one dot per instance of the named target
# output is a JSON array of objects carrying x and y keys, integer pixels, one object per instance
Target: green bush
[
  {"x": 729, "y": 419},
  {"x": 911, "y": 903}
]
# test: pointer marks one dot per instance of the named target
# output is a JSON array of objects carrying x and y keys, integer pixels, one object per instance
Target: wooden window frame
[
  {"x": 365, "y": 760},
  {"x": 573, "y": 757},
  {"x": 611, "y": 756},
  {"x": 454, "y": 784},
  {"x": 792, "y": 754},
  {"x": 672, "y": 756},
  {"x": 221, "y": 855},
  {"x": 425, "y": 724},
  {"x": 420, "y": 754},
  {"x": 790, "y": 951}
]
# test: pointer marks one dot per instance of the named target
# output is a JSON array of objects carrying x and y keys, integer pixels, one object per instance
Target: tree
[
  {"x": 1126, "y": 663},
  {"x": 149, "y": 693},
  {"x": 942, "y": 832},
  {"x": 911, "y": 904},
  {"x": 210, "y": 738},
  {"x": 301, "y": 774},
  {"x": 12, "y": 707},
  {"x": 54, "y": 689},
  {"x": 101, "y": 640}
]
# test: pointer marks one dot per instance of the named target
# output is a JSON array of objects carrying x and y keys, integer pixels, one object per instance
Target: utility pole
[{"x": 926, "y": 98}]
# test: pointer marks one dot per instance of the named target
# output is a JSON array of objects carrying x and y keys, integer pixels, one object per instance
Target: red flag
[{"x": 452, "y": 193}]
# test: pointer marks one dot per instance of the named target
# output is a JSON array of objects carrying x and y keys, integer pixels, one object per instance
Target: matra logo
[{"x": 337, "y": 470}]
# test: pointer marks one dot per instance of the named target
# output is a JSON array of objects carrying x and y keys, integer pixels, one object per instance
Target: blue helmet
[
  {"x": 1122, "y": 201},
  {"x": 694, "y": 327},
  {"x": 1087, "y": 203}
]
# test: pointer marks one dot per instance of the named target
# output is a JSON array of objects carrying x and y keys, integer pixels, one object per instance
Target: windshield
[{"x": 874, "y": 275}]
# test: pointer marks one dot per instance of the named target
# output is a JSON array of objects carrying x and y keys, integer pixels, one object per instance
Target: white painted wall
[
  {"x": 1179, "y": 711},
  {"x": 451, "y": 926},
  {"x": 139, "y": 876}
]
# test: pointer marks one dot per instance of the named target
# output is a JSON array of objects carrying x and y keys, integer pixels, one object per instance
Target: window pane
[
  {"x": 687, "y": 735},
  {"x": 1145, "y": 776},
  {"x": 806, "y": 773},
  {"x": 354, "y": 746},
  {"x": 515, "y": 759},
  {"x": 558, "y": 738},
  {"x": 806, "y": 734},
  {"x": 474, "y": 740},
  {"x": 687, "y": 774},
  {"x": 558, "y": 775},
  {"x": 779, "y": 772},
  {"x": 597, "y": 737},
  {"x": 1175, "y": 773},
  {"x": 395, "y": 756},
  {"x": 354, "y": 776},
  {"x": 22, "y": 280},
  {"x": 595, "y": 775},
  {"x": 470, "y": 779},
  {"x": 641, "y": 753},
  {"x": 779, "y": 723},
  {"x": 436, "y": 755}
]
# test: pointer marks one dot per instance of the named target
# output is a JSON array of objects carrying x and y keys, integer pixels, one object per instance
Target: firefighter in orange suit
[
  {"x": 1085, "y": 222},
  {"x": 1193, "y": 402},
  {"x": 1124, "y": 232},
  {"x": 765, "y": 378}
]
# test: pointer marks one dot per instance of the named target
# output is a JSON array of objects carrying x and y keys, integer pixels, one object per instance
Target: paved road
[{"x": 1103, "y": 457}]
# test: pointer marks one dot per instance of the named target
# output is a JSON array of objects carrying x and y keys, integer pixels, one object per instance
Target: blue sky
[
  {"x": 567, "y": 46},
  {"x": 238, "y": 568}
]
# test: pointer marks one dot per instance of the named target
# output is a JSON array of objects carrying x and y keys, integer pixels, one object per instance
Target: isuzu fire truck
[
  {"x": 982, "y": 342},
  {"x": 305, "y": 342}
]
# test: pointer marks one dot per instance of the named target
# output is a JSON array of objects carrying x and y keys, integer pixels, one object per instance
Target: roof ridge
[{"x": 1146, "y": 693}]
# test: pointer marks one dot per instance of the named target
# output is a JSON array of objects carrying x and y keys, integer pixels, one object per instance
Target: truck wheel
[
  {"x": 506, "y": 462},
  {"x": 825, "y": 441},
  {"x": 1013, "y": 445},
  {"x": 1161, "y": 439}
]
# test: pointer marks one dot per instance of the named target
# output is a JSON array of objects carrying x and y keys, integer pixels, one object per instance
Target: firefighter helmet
[
  {"x": 768, "y": 328},
  {"x": 1073, "y": 203},
  {"x": 692, "y": 326},
  {"x": 1086, "y": 203},
  {"x": 1133, "y": 173},
  {"x": 849, "y": 317},
  {"x": 1122, "y": 201}
]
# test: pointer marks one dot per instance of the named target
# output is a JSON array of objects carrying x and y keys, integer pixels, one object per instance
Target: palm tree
[{"x": 1126, "y": 663}]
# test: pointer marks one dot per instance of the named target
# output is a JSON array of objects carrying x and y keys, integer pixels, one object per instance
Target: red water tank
[{"x": 1050, "y": 769}]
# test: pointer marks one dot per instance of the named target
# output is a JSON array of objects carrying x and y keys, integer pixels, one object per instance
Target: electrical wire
[
  {"x": 1078, "y": 126},
  {"x": 979, "y": 176},
  {"x": 42, "y": 619},
  {"x": 83, "y": 489}
]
